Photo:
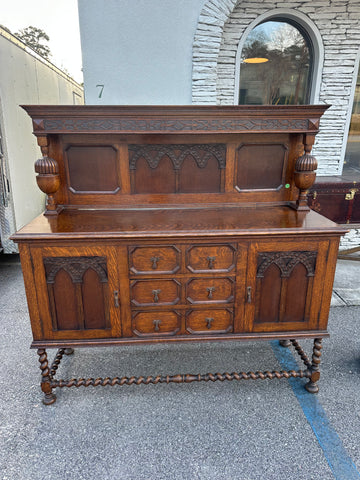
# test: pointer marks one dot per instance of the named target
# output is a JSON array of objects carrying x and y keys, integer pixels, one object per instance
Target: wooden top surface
[{"x": 210, "y": 221}]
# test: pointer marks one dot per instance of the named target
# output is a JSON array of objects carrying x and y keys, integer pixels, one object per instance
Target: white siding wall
[
  {"x": 140, "y": 50},
  {"x": 24, "y": 79}
]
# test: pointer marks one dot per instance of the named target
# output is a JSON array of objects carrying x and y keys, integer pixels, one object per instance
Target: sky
[{"x": 58, "y": 18}]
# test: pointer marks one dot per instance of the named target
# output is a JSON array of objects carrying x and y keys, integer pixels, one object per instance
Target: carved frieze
[{"x": 169, "y": 125}]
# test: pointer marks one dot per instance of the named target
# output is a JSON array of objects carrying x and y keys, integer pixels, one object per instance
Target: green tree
[{"x": 35, "y": 38}]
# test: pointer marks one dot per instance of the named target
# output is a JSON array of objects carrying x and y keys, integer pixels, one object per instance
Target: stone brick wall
[
  {"x": 351, "y": 239},
  {"x": 221, "y": 26},
  {"x": 220, "y": 29}
]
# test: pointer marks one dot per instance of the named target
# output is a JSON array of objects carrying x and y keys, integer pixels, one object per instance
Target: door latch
[
  {"x": 351, "y": 195},
  {"x": 248, "y": 291},
  {"x": 116, "y": 298}
]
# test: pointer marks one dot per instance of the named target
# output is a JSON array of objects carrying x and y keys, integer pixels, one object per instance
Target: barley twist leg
[
  {"x": 45, "y": 378},
  {"x": 312, "y": 386}
]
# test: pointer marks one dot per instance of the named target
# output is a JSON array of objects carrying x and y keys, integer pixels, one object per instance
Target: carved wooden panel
[
  {"x": 214, "y": 124},
  {"x": 210, "y": 290},
  {"x": 211, "y": 258},
  {"x": 156, "y": 323},
  {"x": 177, "y": 168},
  {"x": 286, "y": 262},
  {"x": 155, "y": 292},
  {"x": 200, "y": 176},
  {"x": 78, "y": 292},
  {"x": 146, "y": 178},
  {"x": 284, "y": 286},
  {"x": 150, "y": 260},
  {"x": 92, "y": 169},
  {"x": 209, "y": 321},
  {"x": 261, "y": 166}
]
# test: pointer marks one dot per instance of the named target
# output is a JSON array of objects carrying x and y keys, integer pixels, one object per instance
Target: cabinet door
[
  {"x": 285, "y": 286},
  {"x": 77, "y": 291}
]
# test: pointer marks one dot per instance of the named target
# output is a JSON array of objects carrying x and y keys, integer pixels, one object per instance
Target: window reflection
[
  {"x": 276, "y": 64},
  {"x": 352, "y": 155}
]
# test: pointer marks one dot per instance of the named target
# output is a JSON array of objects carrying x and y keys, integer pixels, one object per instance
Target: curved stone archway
[
  {"x": 220, "y": 30},
  {"x": 206, "y": 49}
]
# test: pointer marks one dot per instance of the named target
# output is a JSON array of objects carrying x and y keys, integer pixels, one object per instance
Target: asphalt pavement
[{"x": 243, "y": 430}]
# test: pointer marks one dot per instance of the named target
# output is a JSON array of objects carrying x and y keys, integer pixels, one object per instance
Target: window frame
[
  {"x": 349, "y": 112},
  {"x": 307, "y": 28}
]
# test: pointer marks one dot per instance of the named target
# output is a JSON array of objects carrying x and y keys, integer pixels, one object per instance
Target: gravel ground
[{"x": 233, "y": 430}]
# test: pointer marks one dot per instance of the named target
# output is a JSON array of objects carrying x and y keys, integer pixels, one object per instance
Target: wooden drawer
[
  {"x": 155, "y": 292},
  {"x": 211, "y": 258},
  {"x": 210, "y": 290},
  {"x": 156, "y": 323},
  {"x": 209, "y": 321},
  {"x": 150, "y": 260}
]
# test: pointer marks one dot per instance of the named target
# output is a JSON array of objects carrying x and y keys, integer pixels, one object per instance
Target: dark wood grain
[
  {"x": 92, "y": 168},
  {"x": 270, "y": 159}
]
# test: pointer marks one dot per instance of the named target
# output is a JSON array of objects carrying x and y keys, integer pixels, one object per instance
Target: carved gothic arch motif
[
  {"x": 201, "y": 154},
  {"x": 75, "y": 267},
  {"x": 286, "y": 262},
  {"x": 215, "y": 78}
]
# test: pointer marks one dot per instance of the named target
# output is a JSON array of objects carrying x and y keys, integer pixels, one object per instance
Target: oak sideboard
[{"x": 176, "y": 224}]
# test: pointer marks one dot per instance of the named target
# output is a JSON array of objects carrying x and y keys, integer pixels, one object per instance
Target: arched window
[
  {"x": 352, "y": 154},
  {"x": 276, "y": 65}
]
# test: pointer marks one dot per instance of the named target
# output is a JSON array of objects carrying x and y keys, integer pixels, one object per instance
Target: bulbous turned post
[
  {"x": 48, "y": 178},
  {"x": 304, "y": 175}
]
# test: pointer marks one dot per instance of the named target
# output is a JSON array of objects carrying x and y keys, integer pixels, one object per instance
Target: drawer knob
[
  {"x": 156, "y": 324},
  {"x": 154, "y": 261},
  {"x": 156, "y": 295},
  {"x": 209, "y": 322},
  {"x": 210, "y": 291},
  {"x": 211, "y": 261}
]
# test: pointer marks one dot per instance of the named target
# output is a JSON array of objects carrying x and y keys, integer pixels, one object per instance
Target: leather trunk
[{"x": 337, "y": 198}]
